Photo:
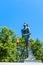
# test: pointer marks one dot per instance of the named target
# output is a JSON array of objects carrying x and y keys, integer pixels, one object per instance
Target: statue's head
[{"x": 25, "y": 25}]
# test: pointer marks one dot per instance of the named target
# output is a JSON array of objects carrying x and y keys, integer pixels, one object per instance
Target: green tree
[
  {"x": 21, "y": 47},
  {"x": 8, "y": 46},
  {"x": 36, "y": 48}
]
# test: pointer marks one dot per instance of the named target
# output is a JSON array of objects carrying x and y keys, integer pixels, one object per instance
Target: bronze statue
[{"x": 26, "y": 34}]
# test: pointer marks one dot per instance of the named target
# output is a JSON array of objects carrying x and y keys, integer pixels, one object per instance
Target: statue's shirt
[{"x": 25, "y": 33}]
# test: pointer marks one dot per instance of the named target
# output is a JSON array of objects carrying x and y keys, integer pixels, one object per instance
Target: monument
[{"x": 26, "y": 34}]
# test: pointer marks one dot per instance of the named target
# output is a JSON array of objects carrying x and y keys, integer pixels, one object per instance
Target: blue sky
[{"x": 13, "y": 13}]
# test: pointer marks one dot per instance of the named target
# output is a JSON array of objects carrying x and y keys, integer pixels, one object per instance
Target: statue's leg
[{"x": 27, "y": 48}]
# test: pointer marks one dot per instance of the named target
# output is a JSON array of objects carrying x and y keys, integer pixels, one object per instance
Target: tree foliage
[
  {"x": 8, "y": 46},
  {"x": 21, "y": 47},
  {"x": 37, "y": 50},
  {"x": 10, "y": 51}
]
